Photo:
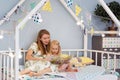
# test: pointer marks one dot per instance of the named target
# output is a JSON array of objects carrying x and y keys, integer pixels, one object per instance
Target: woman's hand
[
  {"x": 48, "y": 57},
  {"x": 44, "y": 59}
]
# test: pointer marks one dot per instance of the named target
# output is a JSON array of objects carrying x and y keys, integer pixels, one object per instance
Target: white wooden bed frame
[{"x": 14, "y": 61}]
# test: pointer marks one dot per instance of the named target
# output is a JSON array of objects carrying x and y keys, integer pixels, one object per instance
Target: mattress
[{"x": 85, "y": 73}]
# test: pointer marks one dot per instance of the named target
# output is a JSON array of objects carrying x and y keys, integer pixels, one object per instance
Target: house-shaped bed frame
[{"x": 80, "y": 22}]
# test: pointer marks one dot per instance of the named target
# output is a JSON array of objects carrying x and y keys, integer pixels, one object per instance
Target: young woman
[{"x": 39, "y": 49}]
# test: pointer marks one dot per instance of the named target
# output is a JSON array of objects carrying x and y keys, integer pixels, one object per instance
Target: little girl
[
  {"x": 44, "y": 67},
  {"x": 55, "y": 50}
]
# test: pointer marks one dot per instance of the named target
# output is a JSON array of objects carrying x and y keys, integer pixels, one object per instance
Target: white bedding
[
  {"x": 106, "y": 77},
  {"x": 91, "y": 72},
  {"x": 102, "y": 77}
]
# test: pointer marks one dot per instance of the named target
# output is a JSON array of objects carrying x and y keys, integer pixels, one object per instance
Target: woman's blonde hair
[
  {"x": 55, "y": 42},
  {"x": 40, "y": 43}
]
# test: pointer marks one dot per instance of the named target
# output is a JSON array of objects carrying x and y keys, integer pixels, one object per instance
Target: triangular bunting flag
[
  {"x": 37, "y": 18},
  {"x": 92, "y": 31},
  {"x": 69, "y": 3},
  {"x": 77, "y": 10},
  {"x": 47, "y": 6},
  {"x": 22, "y": 25},
  {"x": 32, "y": 5}
]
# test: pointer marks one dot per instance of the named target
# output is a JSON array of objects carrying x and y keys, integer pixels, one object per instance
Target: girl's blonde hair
[{"x": 55, "y": 42}]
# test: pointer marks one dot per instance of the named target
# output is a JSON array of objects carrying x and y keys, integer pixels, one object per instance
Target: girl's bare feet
[
  {"x": 35, "y": 74},
  {"x": 31, "y": 74},
  {"x": 71, "y": 70}
]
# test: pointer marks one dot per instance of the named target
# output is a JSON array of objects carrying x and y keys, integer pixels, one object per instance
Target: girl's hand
[{"x": 63, "y": 67}]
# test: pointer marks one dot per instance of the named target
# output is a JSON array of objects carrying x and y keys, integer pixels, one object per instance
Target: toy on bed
[{"x": 81, "y": 61}]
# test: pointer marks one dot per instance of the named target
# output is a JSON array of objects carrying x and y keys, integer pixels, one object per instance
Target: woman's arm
[{"x": 30, "y": 57}]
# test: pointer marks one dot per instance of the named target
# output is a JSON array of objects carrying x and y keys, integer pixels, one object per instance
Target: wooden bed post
[
  {"x": 85, "y": 42},
  {"x": 17, "y": 49}
]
